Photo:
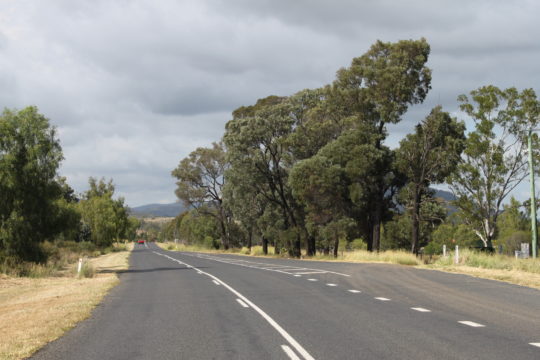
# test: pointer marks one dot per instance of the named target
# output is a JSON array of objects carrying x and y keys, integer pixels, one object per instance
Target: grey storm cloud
[{"x": 135, "y": 85}]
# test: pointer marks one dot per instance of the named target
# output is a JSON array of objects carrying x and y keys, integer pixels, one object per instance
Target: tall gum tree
[
  {"x": 200, "y": 185},
  {"x": 493, "y": 161},
  {"x": 376, "y": 90},
  {"x": 428, "y": 156}
]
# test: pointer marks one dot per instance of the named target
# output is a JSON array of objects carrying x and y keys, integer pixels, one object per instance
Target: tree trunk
[
  {"x": 310, "y": 245},
  {"x": 250, "y": 236},
  {"x": 415, "y": 222},
  {"x": 265, "y": 245},
  {"x": 336, "y": 246},
  {"x": 276, "y": 247},
  {"x": 377, "y": 217}
]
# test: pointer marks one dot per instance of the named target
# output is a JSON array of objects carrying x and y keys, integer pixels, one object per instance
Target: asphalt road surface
[{"x": 173, "y": 305}]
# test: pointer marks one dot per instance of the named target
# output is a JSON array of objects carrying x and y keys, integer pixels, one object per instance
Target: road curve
[{"x": 173, "y": 305}]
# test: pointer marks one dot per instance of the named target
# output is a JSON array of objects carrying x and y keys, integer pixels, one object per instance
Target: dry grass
[{"x": 34, "y": 311}]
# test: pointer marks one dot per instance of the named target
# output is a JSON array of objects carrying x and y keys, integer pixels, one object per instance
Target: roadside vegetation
[
  {"x": 45, "y": 228},
  {"x": 37, "y": 310},
  {"x": 311, "y": 174}
]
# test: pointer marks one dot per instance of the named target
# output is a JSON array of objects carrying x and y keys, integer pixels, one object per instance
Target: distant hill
[
  {"x": 445, "y": 195},
  {"x": 159, "y": 210}
]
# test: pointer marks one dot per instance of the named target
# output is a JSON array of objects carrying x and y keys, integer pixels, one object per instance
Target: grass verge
[
  {"x": 35, "y": 311},
  {"x": 525, "y": 272}
]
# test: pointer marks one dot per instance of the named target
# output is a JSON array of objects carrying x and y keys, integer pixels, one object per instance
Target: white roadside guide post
[
  {"x": 456, "y": 255},
  {"x": 80, "y": 266},
  {"x": 444, "y": 250}
]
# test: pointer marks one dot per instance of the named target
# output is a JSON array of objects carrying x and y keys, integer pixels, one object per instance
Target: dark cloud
[{"x": 134, "y": 86}]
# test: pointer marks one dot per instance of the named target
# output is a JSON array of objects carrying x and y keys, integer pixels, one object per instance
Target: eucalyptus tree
[
  {"x": 200, "y": 185},
  {"x": 376, "y": 90},
  {"x": 428, "y": 156},
  {"x": 257, "y": 144},
  {"x": 494, "y": 160},
  {"x": 30, "y": 154}
]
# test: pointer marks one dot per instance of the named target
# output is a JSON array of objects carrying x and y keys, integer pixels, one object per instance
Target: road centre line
[
  {"x": 471, "y": 323},
  {"x": 313, "y": 280},
  {"x": 242, "y": 303},
  {"x": 420, "y": 309},
  {"x": 289, "y": 352},
  {"x": 263, "y": 314},
  {"x": 331, "y": 284},
  {"x": 535, "y": 344},
  {"x": 382, "y": 299},
  {"x": 354, "y": 291}
]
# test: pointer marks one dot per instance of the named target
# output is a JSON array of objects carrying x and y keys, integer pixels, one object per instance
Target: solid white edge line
[
  {"x": 420, "y": 309},
  {"x": 382, "y": 299},
  {"x": 354, "y": 291},
  {"x": 267, "y": 317},
  {"x": 242, "y": 303},
  {"x": 289, "y": 352},
  {"x": 535, "y": 344},
  {"x": 471, "y": 323},
  {"x": 215, "y": 282}
]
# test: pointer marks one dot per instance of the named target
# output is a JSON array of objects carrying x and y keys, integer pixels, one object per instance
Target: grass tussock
[{"x": 37, "y": 310}]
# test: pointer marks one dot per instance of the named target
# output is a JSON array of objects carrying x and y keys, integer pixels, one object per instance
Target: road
[{"x": 172, "y": 305}]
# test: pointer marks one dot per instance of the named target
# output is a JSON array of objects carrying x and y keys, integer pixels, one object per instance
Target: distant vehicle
[{"x": 140, "y": 241}]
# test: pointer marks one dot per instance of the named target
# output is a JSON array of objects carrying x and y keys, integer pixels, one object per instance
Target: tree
[
  {"x": 107, "y": 218},
  {"x": 428, "y": 156},
  {"x": 376, "y": 90},
  {"x": 30, "y": 155},
  {"x": 200, "y": 184},
  {"x": 494, "y": 160},
  {"x": 322, "y": 188}
]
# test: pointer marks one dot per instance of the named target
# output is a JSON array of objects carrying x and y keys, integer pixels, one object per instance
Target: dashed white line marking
[
  {"x": 382, "y": 299},
  {"x": 289, "y": 352},
  {"x": 354, "y": 291},
  {"x": 535, "y": 344},
  {"x": 298, "y": 275},
  {"x": 311, "y": 272},
  {"x": 331, "y": 284},
  {"x": 242, "y": 303},
  {"x": 312, "y": 280},
  {"x": 215, "y": 282},
  {"x": 264, "y": 315},
  {"x": 420, "y": 309},
  {"x": 471, "y": 323}
]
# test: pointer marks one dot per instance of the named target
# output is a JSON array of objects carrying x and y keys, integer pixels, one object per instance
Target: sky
[{"x": 133, "y": 86}]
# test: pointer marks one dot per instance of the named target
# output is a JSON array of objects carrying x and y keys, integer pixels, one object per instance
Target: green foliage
[
  {"x": 494, "y": 160},
  {"x": 428, "y": 156},
  {"x": 106, "y": 217},
  {"x": 32, "y": 208},
  {"x": 200, "y": 185}
]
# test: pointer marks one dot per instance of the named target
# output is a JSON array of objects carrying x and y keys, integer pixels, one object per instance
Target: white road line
[
  {"x": 313, "y": 280},
  {"x": 215, "y": 282},
  {"x": 354, "y": 291},
  {"x": 535, "y": 344},
  {"x": 331, "y": 284},
  {"x": 471, "y": 323},
  {"x": 242, "y": 303},
  {"x": 289, "y": 352},
  {"x": 420, "y": 309},
  {"x": 297, "y": 275},
  {"x": 382, "y": 299},
  {"x": 311, "y": 272},
  {"x": 264, "y": 315}
]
